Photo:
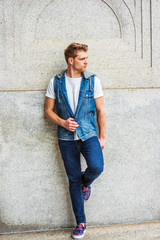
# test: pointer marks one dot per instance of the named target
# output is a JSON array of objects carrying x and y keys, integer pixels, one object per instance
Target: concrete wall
[{"x": 123, "y": 38}]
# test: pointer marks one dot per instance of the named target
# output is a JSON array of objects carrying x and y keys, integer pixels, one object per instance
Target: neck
[{"x": 73, "y": 73}]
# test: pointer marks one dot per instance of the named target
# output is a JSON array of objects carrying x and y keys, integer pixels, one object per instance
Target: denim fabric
[
  {"x": 70, "y": 151},
  {"x": 85, "y": 111}
]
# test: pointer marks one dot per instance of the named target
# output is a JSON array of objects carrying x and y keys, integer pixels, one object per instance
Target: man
[{"x": 77, "y": 95}]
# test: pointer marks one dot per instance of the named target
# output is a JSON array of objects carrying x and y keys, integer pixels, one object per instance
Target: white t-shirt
[{"x": 73, "y": 87}]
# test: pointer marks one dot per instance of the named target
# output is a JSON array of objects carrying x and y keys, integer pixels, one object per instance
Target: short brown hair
[{"x": 71, "y": 50}]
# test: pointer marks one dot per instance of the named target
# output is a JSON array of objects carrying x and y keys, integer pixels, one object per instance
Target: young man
[{"x": 78, "y": 95}]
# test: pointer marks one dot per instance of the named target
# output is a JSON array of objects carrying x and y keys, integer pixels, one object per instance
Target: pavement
[{"x": 138, "y": 231}]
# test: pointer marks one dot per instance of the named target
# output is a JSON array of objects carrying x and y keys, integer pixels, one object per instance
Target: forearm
[
  {"x": 101, "y": 119},
  {"x": 69, "y": 123},
  {"x": 51, "y": 115}
]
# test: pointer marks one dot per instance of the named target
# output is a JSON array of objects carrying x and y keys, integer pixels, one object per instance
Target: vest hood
[{"x": 86, "y": 74}]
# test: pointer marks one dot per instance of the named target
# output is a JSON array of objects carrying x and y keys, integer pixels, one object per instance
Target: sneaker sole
[{"x": 78, "y": 237}]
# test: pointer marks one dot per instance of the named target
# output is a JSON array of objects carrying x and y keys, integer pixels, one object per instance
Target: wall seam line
[{"x": 44, "y": 90}]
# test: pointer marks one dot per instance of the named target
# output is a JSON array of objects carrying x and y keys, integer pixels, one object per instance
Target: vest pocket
[
  {"x": 88, "y": 94},
  {"x": 88, "y": 102}
]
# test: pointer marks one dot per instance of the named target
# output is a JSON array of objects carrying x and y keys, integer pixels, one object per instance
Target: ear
[{"x": 70, "y": 60}]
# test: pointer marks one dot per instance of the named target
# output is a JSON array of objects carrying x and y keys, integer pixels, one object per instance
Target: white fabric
[{"x": 73, "y": 87}]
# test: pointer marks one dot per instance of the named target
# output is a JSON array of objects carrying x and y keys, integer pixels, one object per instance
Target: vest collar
[{"x": 85, "y": 74}]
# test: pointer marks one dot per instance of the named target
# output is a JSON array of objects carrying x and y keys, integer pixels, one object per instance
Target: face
[{"x": 79, "y": 63}]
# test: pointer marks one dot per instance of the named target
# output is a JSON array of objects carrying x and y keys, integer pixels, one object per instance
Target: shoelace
[{"x": 79, "y": 228}]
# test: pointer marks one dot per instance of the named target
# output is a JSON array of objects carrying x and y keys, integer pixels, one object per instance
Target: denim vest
[{"x": 85, "y": 111}]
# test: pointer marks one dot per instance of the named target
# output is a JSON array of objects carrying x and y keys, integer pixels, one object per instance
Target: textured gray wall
[{"x": 123, "y": 38}]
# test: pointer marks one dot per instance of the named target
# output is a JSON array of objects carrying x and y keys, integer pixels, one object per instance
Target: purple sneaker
[
  {"x": 86, "y": 191},
  {"x": 79, "y": 231}
]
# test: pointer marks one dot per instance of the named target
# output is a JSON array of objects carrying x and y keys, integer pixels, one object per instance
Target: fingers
[
  {"x": 102, "y": 147},
  {"x": 102, "y": 143},
  {"x": 71, "y": 124}
]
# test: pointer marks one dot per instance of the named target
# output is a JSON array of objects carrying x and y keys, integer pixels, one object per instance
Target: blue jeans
[{"x": 70, "y": 151}]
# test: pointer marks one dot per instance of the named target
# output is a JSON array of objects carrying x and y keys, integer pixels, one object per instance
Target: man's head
[
  {"x": 76, "y": 56},
  {"x": 72, "y": 50}
]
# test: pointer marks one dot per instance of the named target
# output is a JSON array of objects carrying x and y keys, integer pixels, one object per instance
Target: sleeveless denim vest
[{"x": 85, "y": 111}]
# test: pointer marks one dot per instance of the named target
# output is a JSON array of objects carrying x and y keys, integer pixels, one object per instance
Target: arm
[
  {"x": 69, "y": 124},
  {"x": 100, "y": 110}
]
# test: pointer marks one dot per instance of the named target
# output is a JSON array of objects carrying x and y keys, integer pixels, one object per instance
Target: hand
[
  {"x": 70, "y": 124},
  {"x": 102, "y": 142}
]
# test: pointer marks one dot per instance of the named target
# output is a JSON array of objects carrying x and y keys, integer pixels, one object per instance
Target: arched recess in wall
[
  {"x": 84, "y": 24},
  {"x": 46, "y": 23}
]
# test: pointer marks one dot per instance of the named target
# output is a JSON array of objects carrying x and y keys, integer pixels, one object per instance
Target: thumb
[{"x": 71, "y": 119}]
